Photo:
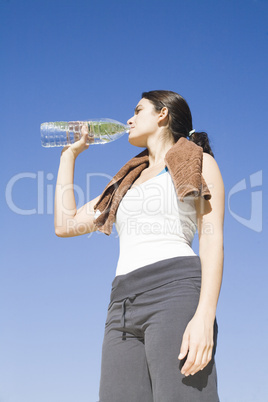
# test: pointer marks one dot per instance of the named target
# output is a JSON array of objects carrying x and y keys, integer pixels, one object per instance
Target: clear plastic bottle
[{"x": 62, "y": 133}]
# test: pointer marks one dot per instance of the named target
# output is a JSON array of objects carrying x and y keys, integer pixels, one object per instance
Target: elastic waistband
[{"x": 154, "y": 275}]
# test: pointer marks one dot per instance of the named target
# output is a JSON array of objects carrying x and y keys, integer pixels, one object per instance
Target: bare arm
[
  {"x": 210, "y": 218},
  {"x": 198, "y": 336},
  {"x": 69, "y": 221}
]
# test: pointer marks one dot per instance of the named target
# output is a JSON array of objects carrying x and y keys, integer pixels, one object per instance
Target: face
[{"x": 143, "y": 124}]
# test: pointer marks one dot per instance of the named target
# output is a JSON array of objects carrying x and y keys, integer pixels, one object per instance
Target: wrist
[
  {"x": 207, "y": 312},
  {"x": 68, "y": 153}
]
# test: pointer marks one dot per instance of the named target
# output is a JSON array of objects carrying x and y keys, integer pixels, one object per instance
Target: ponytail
[{"x": 201, "y": 139}]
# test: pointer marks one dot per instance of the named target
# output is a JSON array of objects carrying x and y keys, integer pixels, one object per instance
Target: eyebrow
[{"x": 137, "y": 107}]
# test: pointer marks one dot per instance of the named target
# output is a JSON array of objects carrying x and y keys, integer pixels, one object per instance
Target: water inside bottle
[{"x": 101, "y": 131}]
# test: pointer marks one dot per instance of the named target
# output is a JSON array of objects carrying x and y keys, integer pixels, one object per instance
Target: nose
[{"x": 130, "y": 121}]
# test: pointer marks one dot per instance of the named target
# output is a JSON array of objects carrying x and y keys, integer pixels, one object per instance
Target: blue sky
[{"x": 74, "y": 60}]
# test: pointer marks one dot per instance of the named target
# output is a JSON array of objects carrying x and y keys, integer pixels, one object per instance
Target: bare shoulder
[
  {"x": 213, "y": 178},
  {"x": 210, "y": 213},
  {"x": 209, "y": 162}
]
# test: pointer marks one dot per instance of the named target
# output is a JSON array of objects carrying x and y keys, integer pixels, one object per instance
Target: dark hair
[{"x": 180, "y": 117}]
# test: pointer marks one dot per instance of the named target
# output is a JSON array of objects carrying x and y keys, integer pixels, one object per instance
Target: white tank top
[{"x": 153, "y": 225}]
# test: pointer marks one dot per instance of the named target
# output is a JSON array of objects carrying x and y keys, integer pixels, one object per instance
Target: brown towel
[{"x": 184, "y": 162}]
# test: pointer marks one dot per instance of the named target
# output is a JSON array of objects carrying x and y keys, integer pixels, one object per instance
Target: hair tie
[{"x": 191, "y": 132}]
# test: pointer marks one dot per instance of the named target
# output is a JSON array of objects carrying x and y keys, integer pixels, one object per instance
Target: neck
[{"x": 157, "y": 151}]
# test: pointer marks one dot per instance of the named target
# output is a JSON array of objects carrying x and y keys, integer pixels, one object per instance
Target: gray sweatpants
[{"x": 147, "y": 315}]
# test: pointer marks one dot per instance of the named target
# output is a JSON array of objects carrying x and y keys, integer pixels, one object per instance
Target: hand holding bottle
[{"x": 82, "y": 143}]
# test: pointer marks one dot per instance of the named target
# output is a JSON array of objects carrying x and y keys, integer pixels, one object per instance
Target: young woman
[{"x": 161, "y": 330}]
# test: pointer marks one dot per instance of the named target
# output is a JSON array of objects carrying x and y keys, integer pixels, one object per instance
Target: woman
[{"x": 161, "y": 330}]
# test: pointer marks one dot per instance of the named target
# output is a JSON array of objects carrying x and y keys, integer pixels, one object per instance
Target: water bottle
[{"x": 62, "y": 133}]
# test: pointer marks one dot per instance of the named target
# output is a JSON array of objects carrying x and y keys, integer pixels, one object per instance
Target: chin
[{"x": 137, "y": 141}]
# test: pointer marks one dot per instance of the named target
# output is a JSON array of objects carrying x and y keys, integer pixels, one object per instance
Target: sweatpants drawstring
[{"x": 123, "y": 318}]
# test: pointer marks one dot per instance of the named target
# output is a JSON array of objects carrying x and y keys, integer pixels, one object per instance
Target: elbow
[
  {"x": 59, "y": 232},
  {"x": 62, "y": 229},
  {"x": 212, "y": 250}
]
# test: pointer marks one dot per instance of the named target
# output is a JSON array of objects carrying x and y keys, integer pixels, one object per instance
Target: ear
[{"x": 163, "y": 114}]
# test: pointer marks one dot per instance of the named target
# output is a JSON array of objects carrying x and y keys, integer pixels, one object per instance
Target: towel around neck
[{"x": 184, "y": 162}]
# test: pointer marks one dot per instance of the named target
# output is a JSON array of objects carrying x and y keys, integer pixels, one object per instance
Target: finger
[
  {"x": 184, "y": 348},
  {"x": 83, "y": 137},
  {"x": 197, "y": 364},
  {"x": 190, "y": 361},
  {"x": 84, "y": 129},
  {"x": 89, "y": 141},
  {"x": 206, "y": 358},
  {"x": 84, "y": 133},
  {"x": 76, "y": 131}
]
